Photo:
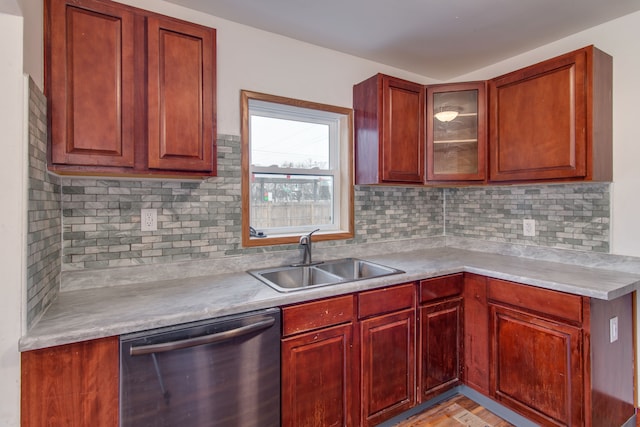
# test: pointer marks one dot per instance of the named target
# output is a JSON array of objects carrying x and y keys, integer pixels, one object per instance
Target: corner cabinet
[
  {"x": 456, "y": 132},
  {"x": 389, "y": 131},
  {"x": 129, "y": 92},
  {"x": 553, "y": 120}
]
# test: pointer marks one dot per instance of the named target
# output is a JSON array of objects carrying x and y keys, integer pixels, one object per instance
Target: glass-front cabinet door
[{"x": 456, "y": 132}]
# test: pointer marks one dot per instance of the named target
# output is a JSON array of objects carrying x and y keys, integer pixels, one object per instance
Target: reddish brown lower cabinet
[
  {"x": 440, "y": 352},
  {"x": 552, "y": 359},
  {"x": 317, "y": 375},
  {"x": 74, "y": 385},
  {"x": 387, "y": 356},
  {"x": 476, "y": 333}
]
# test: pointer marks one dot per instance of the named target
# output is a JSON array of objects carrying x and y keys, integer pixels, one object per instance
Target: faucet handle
[{"x": 305, "y": 239}]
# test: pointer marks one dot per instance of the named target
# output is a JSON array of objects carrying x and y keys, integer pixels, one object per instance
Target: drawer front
[
  {"x": 317, "y": 314},
  {"x": 386, "y": 300},
  {"x": 441, "y": 287},
  {"x": 553, "y": 303}
]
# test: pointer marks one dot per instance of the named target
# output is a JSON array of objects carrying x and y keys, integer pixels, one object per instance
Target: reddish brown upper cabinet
[
  {"x": 72, "y": 385},
  {"x": 90, "y": 83},
  {"x": 553, "y": 120},
  {"x": 129, "y": 92},
  {"x": 389, "y": 131},
  {"x": 456, "y": 132},
  {"x": 440, "y": 337},
  {"x": 181, "y": 95}
]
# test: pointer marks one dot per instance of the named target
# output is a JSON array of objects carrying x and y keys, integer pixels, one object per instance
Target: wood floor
[{"x": 455, "y": 412}]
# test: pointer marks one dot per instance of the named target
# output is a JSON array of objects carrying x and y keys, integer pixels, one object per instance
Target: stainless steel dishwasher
[{"x": 221, "y": 372}]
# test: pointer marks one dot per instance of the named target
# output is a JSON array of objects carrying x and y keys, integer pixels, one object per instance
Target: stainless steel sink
[
  {"x": 295, "y": 278},
  {"x": 356, "y": 269}
]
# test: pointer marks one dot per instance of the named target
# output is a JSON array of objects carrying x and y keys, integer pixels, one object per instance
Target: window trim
[{"x": 345, "y": 192}]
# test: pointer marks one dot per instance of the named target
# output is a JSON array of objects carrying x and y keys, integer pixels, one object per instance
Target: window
[{"x": 296, "y": 163}]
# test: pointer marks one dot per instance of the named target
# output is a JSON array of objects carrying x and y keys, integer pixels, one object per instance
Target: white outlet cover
[
  {"x": 529, "y": 227},
  {"x": 148, "y": 219}
]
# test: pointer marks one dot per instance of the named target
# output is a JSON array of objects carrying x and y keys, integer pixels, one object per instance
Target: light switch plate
[{"x": 613, "y": 329}]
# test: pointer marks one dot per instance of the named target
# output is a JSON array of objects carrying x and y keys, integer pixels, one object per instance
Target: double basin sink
[{"x": 298, "y": 277}]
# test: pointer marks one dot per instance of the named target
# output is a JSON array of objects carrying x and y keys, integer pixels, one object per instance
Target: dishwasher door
[{"x": 221, "y": 372}]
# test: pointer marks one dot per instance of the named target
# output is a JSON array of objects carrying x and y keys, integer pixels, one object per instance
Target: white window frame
[{"x": 340, "y": 122}]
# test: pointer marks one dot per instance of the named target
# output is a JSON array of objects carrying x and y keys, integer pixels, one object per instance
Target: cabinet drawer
[
  {"x": 386, "y": 300},
  {"x": 440, "y": 287},
  {"x": 317, "y": 314},
  {"x": 553, "y": 303}
]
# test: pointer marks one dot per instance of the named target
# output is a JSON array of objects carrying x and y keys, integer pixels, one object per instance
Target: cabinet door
[
  {"x": 440, "y": 347},
  {"x": 456, "y": 132},
  {"x": 403, "y": 131},
  {"x": 544, "y": 120},
  {"x": 90, "y": 79},
  {"x": 536, "y": 367},
  {"x": 73, "y": 385},
  {"x": 387, "y": 366},
  {"x": 316, "y": 384},
  {"x": 181, "y": 91}
]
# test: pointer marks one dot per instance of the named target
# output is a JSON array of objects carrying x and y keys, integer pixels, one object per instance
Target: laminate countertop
[{"x": 83, "y": 314}]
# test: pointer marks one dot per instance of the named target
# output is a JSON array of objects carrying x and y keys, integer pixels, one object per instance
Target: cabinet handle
[{"x": 205, "y": 339}]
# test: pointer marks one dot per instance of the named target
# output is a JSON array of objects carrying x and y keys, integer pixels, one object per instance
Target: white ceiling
[{"x": 438, "y": 39}]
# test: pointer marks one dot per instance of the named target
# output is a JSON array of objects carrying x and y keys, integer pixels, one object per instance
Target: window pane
[
  {"x": 280, "y": 201},
  {"x": 289, "y": 143}
]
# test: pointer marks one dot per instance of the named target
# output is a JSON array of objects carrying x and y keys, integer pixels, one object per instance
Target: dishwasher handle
[{"x": 205, "y": 339}]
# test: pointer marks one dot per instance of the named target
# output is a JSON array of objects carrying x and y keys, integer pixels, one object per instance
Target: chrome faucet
[{"x": 305, "y": 245}]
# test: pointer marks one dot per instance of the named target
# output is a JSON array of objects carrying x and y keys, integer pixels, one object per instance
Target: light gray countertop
[{"x": 83, "y": 314}]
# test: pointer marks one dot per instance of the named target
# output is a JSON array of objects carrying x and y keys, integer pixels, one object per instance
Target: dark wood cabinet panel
[
  {"x": 74, "y": 385},
  {"x": 387, "y": 365},
  {"x": 553, "y": 120},
  {"x": 317, "y": 314},
  {"x": 566, "y": 307},
  {"x": 441, "y": 332},
  {"x": 537, "y": 367},
  {"x": 181, "y": 95},
  {"x": 317, "y": 384},
  {"x": 129, "y": 92},
  {"x": 441, "y": 287},
  {"x": 90, "y": 89},
  {"x": 389, "y": 131},
  {"x": 476, "y": 333},
  {"x": 386, "y": 300}
]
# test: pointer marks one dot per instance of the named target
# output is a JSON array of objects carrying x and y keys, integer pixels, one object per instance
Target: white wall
[
  {"x": 265, "y": 62},
  {"x": 12, "y": 232}
]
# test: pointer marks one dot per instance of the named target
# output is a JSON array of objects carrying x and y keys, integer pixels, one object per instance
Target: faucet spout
[{"x": 305, "y": 245}]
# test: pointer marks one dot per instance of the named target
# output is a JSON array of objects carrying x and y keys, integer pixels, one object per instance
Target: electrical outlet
[
  {"x": 613, "y": 329},
  {"x": 529, "y": 227},
  {"x": 148, "y": 219}
]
